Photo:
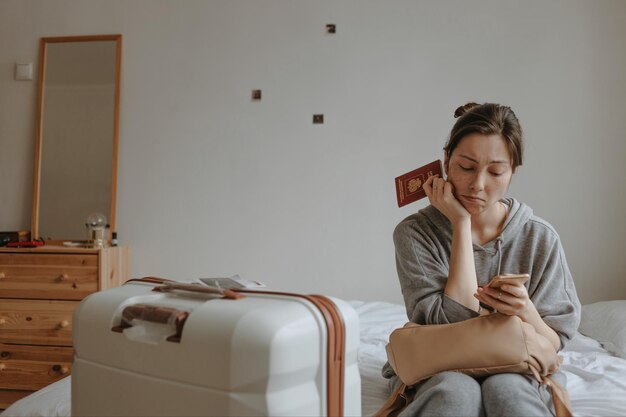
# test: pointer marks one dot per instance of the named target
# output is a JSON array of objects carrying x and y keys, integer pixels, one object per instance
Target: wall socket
[{"x": 24, "y": 72}]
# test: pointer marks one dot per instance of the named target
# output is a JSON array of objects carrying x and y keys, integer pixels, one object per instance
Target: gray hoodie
[{"x": 527, "y": 244}]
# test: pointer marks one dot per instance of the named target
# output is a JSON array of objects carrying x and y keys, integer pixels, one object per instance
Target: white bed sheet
[{"x": 596, "y": 380}]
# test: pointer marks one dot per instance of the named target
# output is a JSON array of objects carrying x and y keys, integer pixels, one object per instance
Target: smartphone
[{"x": 498, "y": 280}]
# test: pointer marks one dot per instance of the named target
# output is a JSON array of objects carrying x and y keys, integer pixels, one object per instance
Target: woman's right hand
[{"x": 440, "y": 193}]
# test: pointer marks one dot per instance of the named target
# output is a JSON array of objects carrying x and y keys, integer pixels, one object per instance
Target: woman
[{"x": 468, "y": 234}]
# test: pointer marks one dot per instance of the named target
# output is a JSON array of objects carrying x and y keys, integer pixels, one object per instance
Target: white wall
[{"x": 211, "y": 183}]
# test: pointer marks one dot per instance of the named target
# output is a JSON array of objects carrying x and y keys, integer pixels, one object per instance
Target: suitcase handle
[
  {"x": 173, "y": 286},
  {"x": 155, "y": 314}
]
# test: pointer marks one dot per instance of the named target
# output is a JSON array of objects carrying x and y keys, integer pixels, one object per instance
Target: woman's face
[{"x": 480, "y": 171}]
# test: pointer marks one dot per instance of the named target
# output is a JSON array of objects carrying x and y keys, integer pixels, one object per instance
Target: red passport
[{"x": 409, "y": 186}]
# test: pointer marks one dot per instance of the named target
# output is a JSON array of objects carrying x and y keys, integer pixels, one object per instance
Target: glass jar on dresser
[{"x": 39, "y": 290}]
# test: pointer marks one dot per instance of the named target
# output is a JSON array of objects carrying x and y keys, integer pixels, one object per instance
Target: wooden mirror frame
[{"x": 39, "y": 126}]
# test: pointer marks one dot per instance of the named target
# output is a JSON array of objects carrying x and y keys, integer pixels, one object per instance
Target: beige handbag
[{"x": 485, "y": 345}]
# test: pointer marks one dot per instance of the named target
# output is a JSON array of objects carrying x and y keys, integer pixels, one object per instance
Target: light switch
[{"x": 24, "y": 72}]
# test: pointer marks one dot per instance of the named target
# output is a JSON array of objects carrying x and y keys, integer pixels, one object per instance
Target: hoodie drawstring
[{"x": 499, "y": 251}]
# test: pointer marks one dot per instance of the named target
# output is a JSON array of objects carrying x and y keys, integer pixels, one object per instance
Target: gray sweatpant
[{"x": 456, "y": 394}]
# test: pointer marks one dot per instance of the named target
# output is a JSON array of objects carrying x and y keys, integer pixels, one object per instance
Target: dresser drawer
[
  {"x": 33, "y": 367},
  {"x": 36, "y": 322},
  {"x": 56, "y": 276},
  {"x": 8, "y": 397}
]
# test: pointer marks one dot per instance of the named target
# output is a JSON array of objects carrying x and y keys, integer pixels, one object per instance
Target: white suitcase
[{"x": 175, "y": 352}]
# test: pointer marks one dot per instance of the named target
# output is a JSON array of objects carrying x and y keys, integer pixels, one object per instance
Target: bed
[{"x": 594, "y": 363}]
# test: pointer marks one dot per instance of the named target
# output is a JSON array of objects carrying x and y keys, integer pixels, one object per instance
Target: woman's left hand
[
  {"x": 513, "y": 300},
  {"x": 509, "y": 299}
]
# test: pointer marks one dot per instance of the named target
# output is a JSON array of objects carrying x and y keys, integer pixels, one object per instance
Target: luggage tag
[{"x": 234, "y": 282}]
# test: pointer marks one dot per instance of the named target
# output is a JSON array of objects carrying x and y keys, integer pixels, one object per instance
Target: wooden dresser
[{"x": 39, "y": 290}]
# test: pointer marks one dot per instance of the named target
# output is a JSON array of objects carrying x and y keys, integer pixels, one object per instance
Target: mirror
[{"x": 76, "y": 142}]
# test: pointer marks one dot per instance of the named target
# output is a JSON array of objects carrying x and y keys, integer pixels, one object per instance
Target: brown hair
[{"x": 488, "y": 119}]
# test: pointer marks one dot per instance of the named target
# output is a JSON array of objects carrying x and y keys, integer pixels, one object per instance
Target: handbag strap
[
  {"x": 397, "y": 401},
  {"x": 562, "y": 406}
]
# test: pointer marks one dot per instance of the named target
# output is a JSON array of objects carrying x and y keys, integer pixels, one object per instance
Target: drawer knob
[
  {"x": 64, "y": 324},
  {"x": 64, "y": 277},
  {"x": 63, "y": 370},
  {"x": 2, "y": 275}
]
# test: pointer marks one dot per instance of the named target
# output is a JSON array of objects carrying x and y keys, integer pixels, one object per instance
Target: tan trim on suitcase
[
  {"x": 169, "y": 285},
  {"x": 335, "y": 371},
  {"x": 152, "y": 280},
  {"x": 172, "y": 286}
]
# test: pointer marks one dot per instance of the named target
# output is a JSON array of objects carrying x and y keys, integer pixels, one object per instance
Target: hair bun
[{"x": 461, "y": 110}]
